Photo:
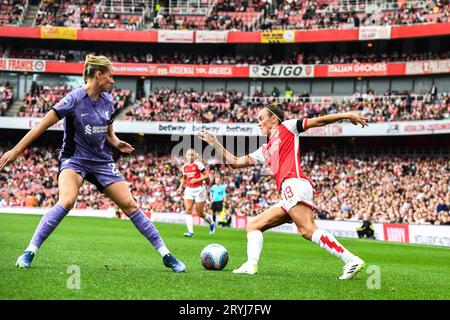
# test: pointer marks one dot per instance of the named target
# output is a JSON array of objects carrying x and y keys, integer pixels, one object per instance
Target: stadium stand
[
  {"x": 6, "y": 97},
  {"x": 312, "y": 14},
  {"x": 90, "y": 14},
  {"x": 349, "y": 186},
  {"x": 63, "y": 13},
  {"x": 225, "y": 14},
  {"x": 40, "y": 99},
  {"x": 345, "y": 185},
  {"x": 302, "y": 14},
  {"x": 222, "y": 58},
  {"x": 12, "y": 11},
  {"x": 233, "y": 106}
]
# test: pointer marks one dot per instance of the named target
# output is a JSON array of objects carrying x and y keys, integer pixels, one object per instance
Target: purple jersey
[{"x": 85, "y": 125}]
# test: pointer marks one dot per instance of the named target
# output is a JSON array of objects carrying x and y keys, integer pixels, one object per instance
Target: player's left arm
[
  {"x": 354, "y": 117},
  {"x": 114, "y": 141}
]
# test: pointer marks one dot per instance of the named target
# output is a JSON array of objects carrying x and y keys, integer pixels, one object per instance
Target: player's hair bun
[{"x": 93, "y": 63}]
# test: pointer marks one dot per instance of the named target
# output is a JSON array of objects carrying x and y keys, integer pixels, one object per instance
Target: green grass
[{"x": 116, "y": 262}]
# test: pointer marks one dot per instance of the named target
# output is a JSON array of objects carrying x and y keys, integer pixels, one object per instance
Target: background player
[
  {"x": 194, "y": 173},
  {"x": 282, "y": 154},
  {"x": 85, "y": 155},
  {"x": 217, "y": 195}
]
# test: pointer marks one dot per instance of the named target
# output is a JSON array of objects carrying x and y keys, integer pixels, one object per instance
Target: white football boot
[
  {"x": 352, "y": 267},
  {"x": 247, "y": 268}
]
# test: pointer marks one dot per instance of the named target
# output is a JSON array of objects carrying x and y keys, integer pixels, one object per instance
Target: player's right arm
[
  {"x": 233, "y": 161},
  {"x": 10, "y": 156}
]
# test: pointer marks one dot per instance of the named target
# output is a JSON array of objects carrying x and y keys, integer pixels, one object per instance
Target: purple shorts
[{"x": 101, "y": 174}]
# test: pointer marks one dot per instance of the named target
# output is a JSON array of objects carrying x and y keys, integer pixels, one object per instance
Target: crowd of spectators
[
  {"x": 226, "y": 58},
  {"x": 228, "y": 106},
  {"x": 104, "y": 19},
  {"x": 232, "y": 106},
  {"x": 41, "y": 98},
  {"x": 85, "y": 14},
  {"x": 316, "y": 14},
  {"x": 228, "y": 15},
  {"x": 224, "y": 15},
  {"x": 122, "y": 98},
  {"x": 369, "y": 57},
  {"x": 12, "y": 11},
  {"x": 306, "y": 14},
  {"x": 407, "y": 189},
  {"x": 186, "y": 106},
  {"x": 64, "y": 13},
  {"x": 44, "y": 54},
  {"x": 6, "y": 97},
  {"x": 389, "y": 189}
]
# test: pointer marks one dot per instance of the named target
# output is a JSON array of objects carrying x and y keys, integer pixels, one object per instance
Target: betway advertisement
[{"x": 400, "y": 128}]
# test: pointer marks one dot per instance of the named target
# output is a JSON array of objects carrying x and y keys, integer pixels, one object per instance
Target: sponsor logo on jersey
[{"x": 88, "y": 129}]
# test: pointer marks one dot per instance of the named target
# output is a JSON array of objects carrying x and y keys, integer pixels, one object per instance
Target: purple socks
[
  {"x": 48, "y": 223},
  {"x": 53, "y": 217},
  {"x": 148, "y": 230}
]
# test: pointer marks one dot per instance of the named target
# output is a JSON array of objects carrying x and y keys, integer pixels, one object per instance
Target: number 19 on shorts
[{"x": 287, "y": 193}]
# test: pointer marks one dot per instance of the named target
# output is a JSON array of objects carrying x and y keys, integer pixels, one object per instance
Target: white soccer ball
[{"x": 214, "y": 257}]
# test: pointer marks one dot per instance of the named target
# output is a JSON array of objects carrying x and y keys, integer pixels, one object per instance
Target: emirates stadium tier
[{"x": 182, "y": 66}]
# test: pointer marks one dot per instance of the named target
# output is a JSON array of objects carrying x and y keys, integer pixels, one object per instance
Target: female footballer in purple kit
[{"x": 85, "y": 155}]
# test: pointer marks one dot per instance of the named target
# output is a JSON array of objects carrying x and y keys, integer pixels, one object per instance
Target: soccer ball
[{"x": 214, "y": 257}]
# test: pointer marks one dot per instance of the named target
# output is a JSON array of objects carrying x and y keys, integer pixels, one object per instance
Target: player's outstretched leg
[
  {"x": 254, "y": 248},
  {"x": 270, "y": 218},
  {"x": 188, "y": 206},
  {"x": 48, "y": 223},
  {"x": 212, "y": 224},
  {"x": 149, "y": 231},
  {"x": 189, "y": 225},
  {"x": 304, "y": 219},
  {"x": 352, "y": 263},
  {"x": 212, "y": 228},
  {"x": 119, "y": 193},
  {"x": 69, "y": 182},
  {"x": 200, "y": 206}
]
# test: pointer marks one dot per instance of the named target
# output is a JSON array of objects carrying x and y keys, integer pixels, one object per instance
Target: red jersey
[
  {"x": 282, "y": 152},
  {"x": 192, "y": 171}
]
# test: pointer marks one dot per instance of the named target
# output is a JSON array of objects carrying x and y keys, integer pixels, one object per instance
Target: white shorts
[
  {"x": 293, "y": 191},
  {"x": 198, "y": 194}
]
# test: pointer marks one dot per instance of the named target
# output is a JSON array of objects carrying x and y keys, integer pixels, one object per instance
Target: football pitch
[{"x": 95, "y": 258}]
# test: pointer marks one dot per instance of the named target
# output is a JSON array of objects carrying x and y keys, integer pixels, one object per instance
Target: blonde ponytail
[{"x": 92, "y": 64}]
